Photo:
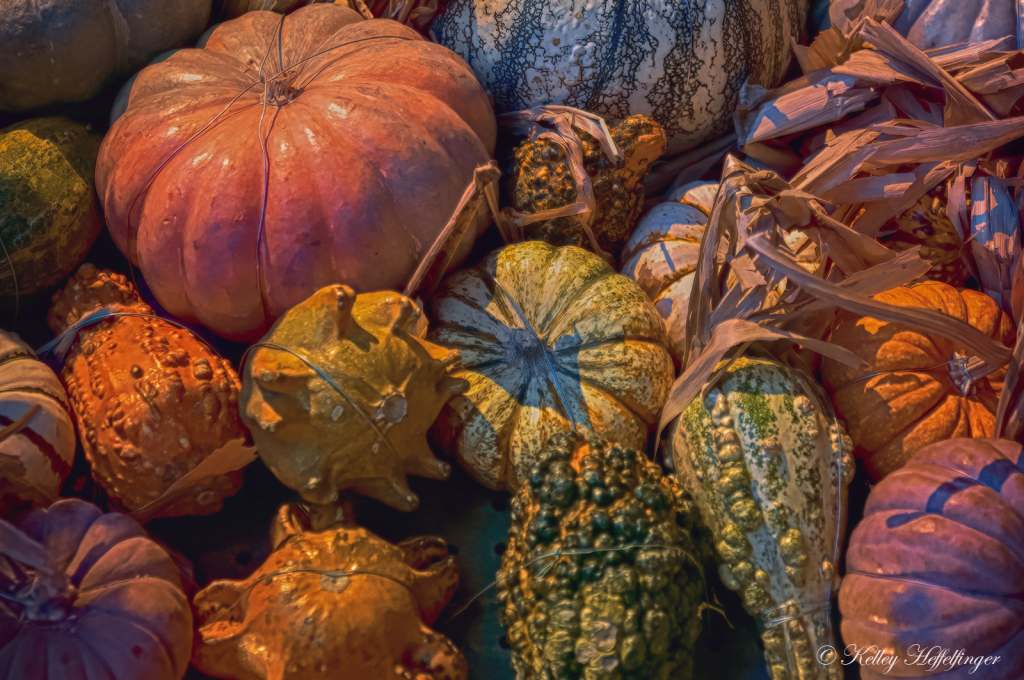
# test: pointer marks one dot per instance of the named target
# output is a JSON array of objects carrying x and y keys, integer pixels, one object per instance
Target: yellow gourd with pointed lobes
[{"x": 367, "y": 430}]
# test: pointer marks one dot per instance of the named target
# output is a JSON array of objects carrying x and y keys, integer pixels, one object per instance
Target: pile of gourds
[{"x": 290, "y": 207}]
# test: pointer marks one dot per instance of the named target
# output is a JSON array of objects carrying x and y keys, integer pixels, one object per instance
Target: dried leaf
[
  {"x": 962, "y": 108},
  {"x": 870, "y": 189},
  {"x": 927, "y": 321},
  {"x": 995, "y": 237},
  {"x": 437, "y": 260},
  {"x": 827, "y": 97}
]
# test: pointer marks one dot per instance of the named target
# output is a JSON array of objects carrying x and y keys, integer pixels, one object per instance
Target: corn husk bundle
[
  {"x": 925, "y": 118},
  {"x": 919, "y": 119}
]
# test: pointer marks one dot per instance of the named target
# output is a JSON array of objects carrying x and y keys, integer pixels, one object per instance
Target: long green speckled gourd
[{"x": 768, "y": 466}]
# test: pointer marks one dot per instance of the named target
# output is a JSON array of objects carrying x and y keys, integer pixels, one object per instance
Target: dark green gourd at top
[{"x": 48, "y": 212}]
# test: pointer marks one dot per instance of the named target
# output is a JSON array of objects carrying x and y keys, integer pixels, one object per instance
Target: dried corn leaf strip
[
  {"x": 928, "y": 321},
  {"x": 993, "y": 234},
  {"x": 962, "y": 108}
]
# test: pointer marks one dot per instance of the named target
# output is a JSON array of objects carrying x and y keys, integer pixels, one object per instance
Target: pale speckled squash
[
  {"x": 681, "y": 62},
  {"x": 603, "y": 338},
  {"x": 768, "y": 467},
  {"x": 661, "y": 255},
  {"x": 44, "y": 448}
]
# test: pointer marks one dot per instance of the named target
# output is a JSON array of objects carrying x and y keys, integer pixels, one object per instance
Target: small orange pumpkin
[{"x": 913, "y": 391}]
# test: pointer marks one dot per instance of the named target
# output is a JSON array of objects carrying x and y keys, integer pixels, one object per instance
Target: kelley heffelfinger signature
[{"x": 933, "y": 659}]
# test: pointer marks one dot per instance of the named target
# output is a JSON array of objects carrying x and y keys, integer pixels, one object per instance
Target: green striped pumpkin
[
  {"x": 49, "y": 216},
  {"x": 768, "y": 466},
  {"x": 552, "y": 340},
  {"x": 36, "y": 459}
]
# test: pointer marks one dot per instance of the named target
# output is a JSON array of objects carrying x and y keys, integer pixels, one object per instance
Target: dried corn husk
[{"x": 753, "y": 213}]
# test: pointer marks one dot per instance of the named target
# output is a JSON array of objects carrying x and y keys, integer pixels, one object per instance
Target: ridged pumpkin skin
[
  {"x": 662, "y": 253},
  {"x": 677, "y": 61},
  {"x": 114, "y": 608},
  {"x": 369, "y": 148},
  {"x": 317, "y": 441},
  {"x": 338, "y": 602},
  {"x": 151, "y": 401},
  {"x": 768, "y": 466},
  {"x": 68, "y": 50},
  {"x": 44, "y": 449},
  {"x": 938, "y": 560},
  {"x": 48, "y": 213},
  {"x": 600, "y": 333},
  {"x": 893, "y": 415}
]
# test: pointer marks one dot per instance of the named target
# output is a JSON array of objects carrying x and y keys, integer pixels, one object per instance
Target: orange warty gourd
[
  {"x": 238, "y": 198},
  {"x": 332, "y": 602},
  {"x": 151, "y": 401},
  {"x": 921, "y": 395}
]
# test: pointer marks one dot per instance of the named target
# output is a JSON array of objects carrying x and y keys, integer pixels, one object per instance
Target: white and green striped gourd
[
  {"x": 36, "y": 458},
  {"x": 768, "y": 466}
]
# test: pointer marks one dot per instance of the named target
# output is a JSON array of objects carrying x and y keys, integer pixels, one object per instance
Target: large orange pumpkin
[
  {"x": 340, "y": 167},
  {"x": 913, "y": 391}
]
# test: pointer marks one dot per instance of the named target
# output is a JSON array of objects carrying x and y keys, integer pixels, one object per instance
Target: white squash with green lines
[
  {"x": 37, "y": 437},
  {"x": 768, "y": 466}
]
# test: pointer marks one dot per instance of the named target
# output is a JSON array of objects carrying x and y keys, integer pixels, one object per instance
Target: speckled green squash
[
  {"x": 768, "y": 467},
  {"x": 48, "y": 211}
]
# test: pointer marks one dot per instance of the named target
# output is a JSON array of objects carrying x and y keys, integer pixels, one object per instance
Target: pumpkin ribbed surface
[
  {"x": 48, "y": 213},
  {"x": 919, "y": 397},
  {"x": 371, "y": 135},
  {"x": 45, "y": 447},
  {"x": 596, "y": 341},
  {"x": 938, "y": 562},
  {"x": 113, "y": 607}
]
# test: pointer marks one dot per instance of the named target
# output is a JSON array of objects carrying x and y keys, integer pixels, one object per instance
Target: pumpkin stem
[
  {"x": 280, "y": 89},
  {"x": 40, "y": 597},
  {"x": 960, "y": 374}
]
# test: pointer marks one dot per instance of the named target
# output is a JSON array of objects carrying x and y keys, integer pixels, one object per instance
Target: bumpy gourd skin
[
  {"x": 608, "y": 614},
  {"x": 542, "y": 180},
  {"x": 926, "y": 224}
]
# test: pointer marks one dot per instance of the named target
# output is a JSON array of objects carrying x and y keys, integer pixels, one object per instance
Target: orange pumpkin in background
[
  {"x": 913, "y": 391},
  {"x": 238, "y": 197}
]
